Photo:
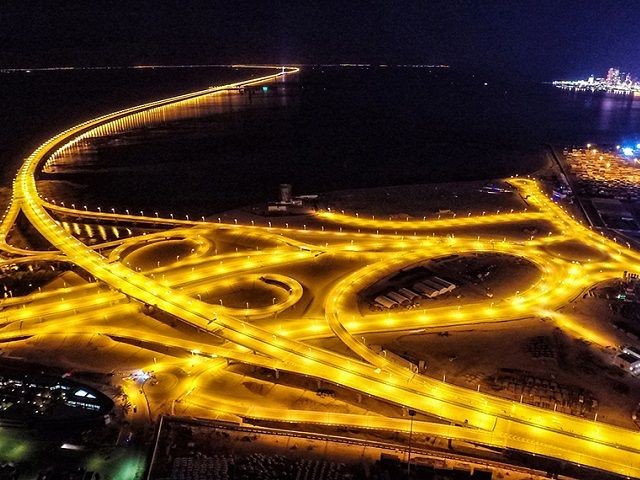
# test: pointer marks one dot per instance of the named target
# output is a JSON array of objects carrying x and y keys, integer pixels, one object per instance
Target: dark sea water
[
  {"x": 39, "y": 104},
  {"x": 323, "y": 130}
]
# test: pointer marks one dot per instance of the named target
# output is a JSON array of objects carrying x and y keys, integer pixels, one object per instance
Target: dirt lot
[
  {"x": 478, "y": 277},
  {"x": 420, "y": 200},
  {"x": 532, "y": 349}
]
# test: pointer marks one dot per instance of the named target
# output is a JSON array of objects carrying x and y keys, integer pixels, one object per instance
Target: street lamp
[{"x": 412, "y": 413}]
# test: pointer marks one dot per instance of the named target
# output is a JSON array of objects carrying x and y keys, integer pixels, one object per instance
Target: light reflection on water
[
  {"x": 618, "y": 110},
  {"x": 159, "y": 121}
]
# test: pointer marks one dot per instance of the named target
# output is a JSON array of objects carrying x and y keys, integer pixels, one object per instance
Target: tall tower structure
[{"x": 285, "y": 193}]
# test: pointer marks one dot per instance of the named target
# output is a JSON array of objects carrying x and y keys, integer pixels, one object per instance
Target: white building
[{"x": 628, "y": 362}]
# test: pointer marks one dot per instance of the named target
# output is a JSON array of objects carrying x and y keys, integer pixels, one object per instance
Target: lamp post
[{"x": 412, "y": 413}]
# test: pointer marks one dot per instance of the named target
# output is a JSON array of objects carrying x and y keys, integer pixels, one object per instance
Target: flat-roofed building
[
  {"x": 628, "y": 362},
  {"x": 631, "y": 350}
]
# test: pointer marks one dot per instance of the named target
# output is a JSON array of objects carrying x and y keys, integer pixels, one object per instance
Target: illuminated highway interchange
[{"x": 139, "y": 302}]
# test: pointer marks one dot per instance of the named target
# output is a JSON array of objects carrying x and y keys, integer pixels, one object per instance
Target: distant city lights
[{"x": 614, "y": 82}]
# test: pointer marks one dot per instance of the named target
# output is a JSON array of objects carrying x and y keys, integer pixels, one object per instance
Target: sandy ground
[
  {"x": 469, "y": 355},
  {"x": 420, "y": 200},
  {"x": 507, "y": 276}
]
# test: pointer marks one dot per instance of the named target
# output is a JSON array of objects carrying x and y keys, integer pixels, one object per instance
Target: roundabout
[
  {"x": 253, "y": 295},
  {"x": 156, "y": 250},
  {"x": 574, "y": 251}
]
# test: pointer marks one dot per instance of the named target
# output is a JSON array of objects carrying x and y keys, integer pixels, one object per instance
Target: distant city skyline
[{"x": 615, "y": 81}]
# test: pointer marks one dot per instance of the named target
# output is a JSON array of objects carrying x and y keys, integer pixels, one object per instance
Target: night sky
[{"x": 539, "y": 39}]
